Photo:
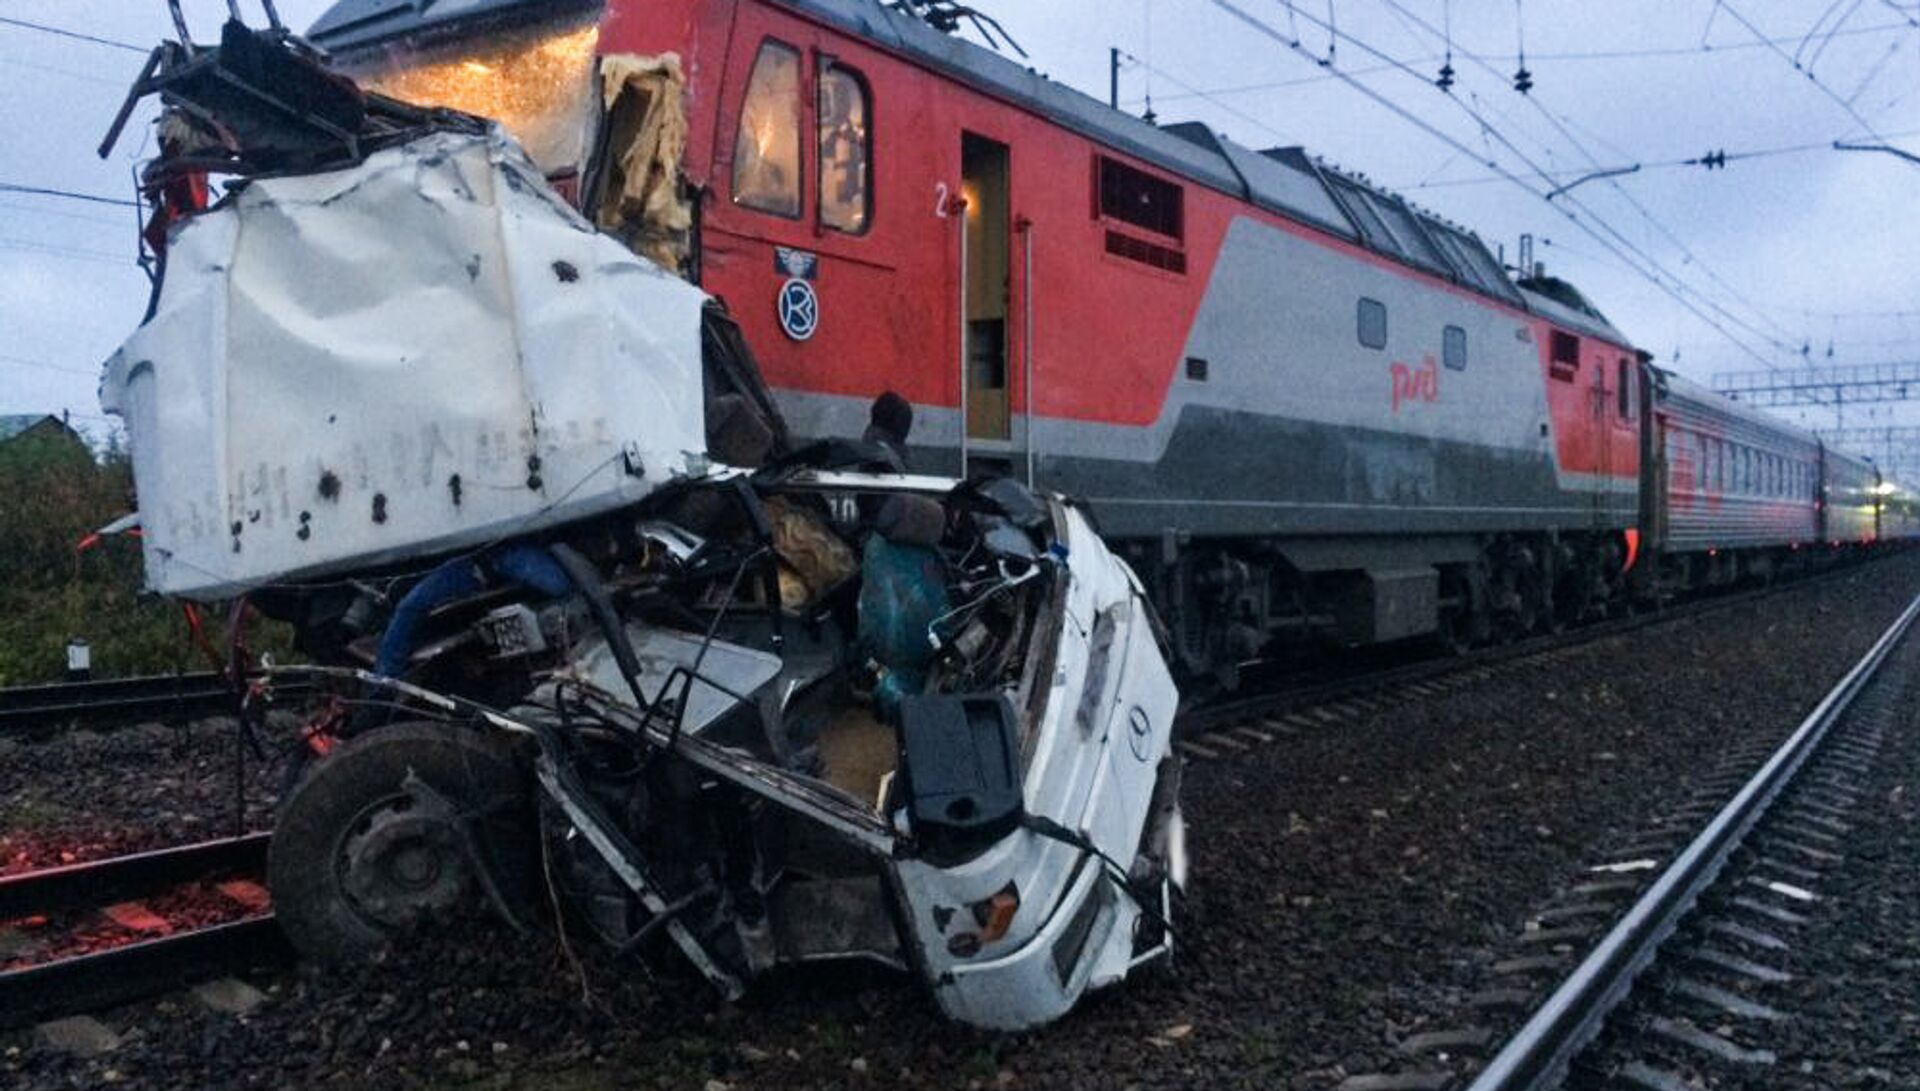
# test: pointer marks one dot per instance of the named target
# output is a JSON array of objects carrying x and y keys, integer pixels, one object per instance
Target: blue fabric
[
  {"x": 902, "y": 590},
  {"x": 531, "y": 566},
  {"x": 454, "y": 579},
  {"x": 528, "y": 566}
]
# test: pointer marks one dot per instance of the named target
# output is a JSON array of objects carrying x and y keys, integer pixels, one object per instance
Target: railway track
[
  {"x": 30, "y": 709},
  {"x": 1674, "y": 995},
  {"x": 91, "y": 935},
  {"x": 125, "y": 964},
  {"x": 1208, "y": 729}
]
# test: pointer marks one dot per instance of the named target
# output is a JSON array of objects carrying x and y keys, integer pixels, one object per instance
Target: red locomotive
[{"x": 1299, "y": 404}]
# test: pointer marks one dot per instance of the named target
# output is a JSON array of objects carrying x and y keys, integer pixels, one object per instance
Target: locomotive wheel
[{"x": 409, "y": 825}]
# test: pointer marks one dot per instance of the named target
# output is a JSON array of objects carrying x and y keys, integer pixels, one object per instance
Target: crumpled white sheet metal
[{"x": 425, "y": 352}]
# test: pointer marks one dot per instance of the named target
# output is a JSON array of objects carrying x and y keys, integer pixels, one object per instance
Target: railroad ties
[{"x": 1663, "y": 966}]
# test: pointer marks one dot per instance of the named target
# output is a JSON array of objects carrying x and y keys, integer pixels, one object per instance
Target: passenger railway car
[
  {"x": 1300, "y": 404},
  {"x": 1741, "y": 493}
]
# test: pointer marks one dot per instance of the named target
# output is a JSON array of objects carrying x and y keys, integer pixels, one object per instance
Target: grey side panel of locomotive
[
  {"x": 1298, "y": 429},
  {"x": 1720, "y": 493}
]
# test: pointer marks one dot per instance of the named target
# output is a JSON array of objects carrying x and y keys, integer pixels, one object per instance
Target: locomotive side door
[
  {"x": 985, "y": 305},
  {"x": 1602, "y": 435},
  {"x": 1622, "y": 440},
  {"x": 1615, "y": 436}
]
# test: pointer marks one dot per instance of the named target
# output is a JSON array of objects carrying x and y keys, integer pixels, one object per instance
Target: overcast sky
[{"x": 1814, "y": 248}]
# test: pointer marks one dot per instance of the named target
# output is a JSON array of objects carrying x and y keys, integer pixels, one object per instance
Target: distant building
[{"x": 44, "y": 426}]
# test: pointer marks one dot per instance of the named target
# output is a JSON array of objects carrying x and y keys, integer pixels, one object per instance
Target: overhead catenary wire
[
  {"x": 71, "y": 195},
  {"x": 43, "y": 365},
  {"x": 1777, "y": 337},
  {"x": 34, "y": 246},
  {"x": 105, "y": 219},
  {"x": 1693, "y": 52},
  {"x": 1865, "y": 125},
  {"x": 54, "y": 69},
  {"x": 1827, "y": 40},
  {"x": 1773, "y": 335},
  {"x": 1488, "y": 130},
  {"x": 65, "y": 33},
  {"x": 1658, "y": 164},
  {"x": 1807, "y": 38},
  {"x": 1195, "y": 92},
  {"x": 1625, "y": 251}
]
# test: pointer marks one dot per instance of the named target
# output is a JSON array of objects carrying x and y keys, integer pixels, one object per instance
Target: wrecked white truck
[{"x": 591, "y": 624}]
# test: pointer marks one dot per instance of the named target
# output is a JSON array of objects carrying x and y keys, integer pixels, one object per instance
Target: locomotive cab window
[
  {"x": 1563, "y": 356},
  {"x": 1625, "y": 393},
  {"x": 1373, "y": 323},
  {"x": 766, "y": 152},
  {"x": 846, "y": 151},
  {"x": 1453, "y": 348}
]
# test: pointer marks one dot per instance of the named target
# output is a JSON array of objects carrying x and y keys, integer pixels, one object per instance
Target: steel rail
[
  {"x": 27, "y": 709},
  {"x": 119, "y": 878},
  {"x": 118, "y": 975},
  {"x": 1537, "y": 1056},
  {"x": 129, "y": 971}
]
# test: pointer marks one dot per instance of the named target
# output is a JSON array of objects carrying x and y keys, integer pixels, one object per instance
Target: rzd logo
[{"x": 1416, "y": 386}]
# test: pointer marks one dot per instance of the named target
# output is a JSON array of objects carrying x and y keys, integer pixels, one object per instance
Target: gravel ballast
[{"x": 1349, "y": 883}]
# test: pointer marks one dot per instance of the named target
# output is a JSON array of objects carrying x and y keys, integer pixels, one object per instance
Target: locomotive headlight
[{"x": 538, "y": 83}]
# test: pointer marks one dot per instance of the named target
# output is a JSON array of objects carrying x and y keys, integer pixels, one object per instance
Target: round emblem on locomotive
[
  {"x": 799, "y": 309},
  {"x": 1140, "y": 732}
]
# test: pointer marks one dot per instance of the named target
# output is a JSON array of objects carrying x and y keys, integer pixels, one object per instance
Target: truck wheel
[{"x": 407, "y": 826}]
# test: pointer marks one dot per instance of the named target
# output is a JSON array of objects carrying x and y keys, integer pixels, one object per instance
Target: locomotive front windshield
[{"x": 538, "y": 82}]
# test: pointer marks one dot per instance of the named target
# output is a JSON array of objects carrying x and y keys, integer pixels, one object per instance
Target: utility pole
[{"x": 1113, "y": 76}]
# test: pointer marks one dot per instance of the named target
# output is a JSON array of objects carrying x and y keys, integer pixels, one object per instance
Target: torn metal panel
[
  {"x": 426, "y": 351},
  {"x": 640, "y": 197}
]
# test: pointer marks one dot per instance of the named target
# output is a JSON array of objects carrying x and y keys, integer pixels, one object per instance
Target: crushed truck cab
[{"x": 590, "y": 628}]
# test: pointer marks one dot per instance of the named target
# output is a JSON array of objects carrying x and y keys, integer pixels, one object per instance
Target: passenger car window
[
  {"x": 1373, "y": 323},
  {"x": 1453, "y": 347},
  {"x": 846, "y": 167},
  {"x": 766, "y": 152}
]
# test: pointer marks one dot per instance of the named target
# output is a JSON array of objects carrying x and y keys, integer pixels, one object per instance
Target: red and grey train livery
[{"x": 1300, "y": 404}]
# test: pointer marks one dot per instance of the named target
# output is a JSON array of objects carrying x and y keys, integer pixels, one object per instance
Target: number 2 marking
[{"x": 940, "y": 194}]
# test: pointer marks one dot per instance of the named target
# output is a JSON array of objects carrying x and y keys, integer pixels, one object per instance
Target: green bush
[{"x": 54, "y": 491}]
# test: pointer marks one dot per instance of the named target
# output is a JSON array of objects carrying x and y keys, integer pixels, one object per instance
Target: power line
[
  {"x": 22, "y": 361},
  {"x": 32, "y": 246},
  {"x": 1646, "y": 214},
  {"x": 1678, "y": 285},
  {"x": 1245, "y": 88},
  {"x": 103, "y": 219},
  {"x": 42, "y": 191},
  {"x": 64, "y": 33},
  {"x": 14, "y": 62},
  {"x": 1820, "y": 50},
  {"x": 1657, "y": 276},
  {"x": 1694, "y": 52},
  {"x": 1662, "y": 164},
  {"x": 1195, "y": 92},
  {"x": 1864, "y": 124},
  {"x": 1807, "y": 38},
  {"x": 1642, "y": 210}
]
